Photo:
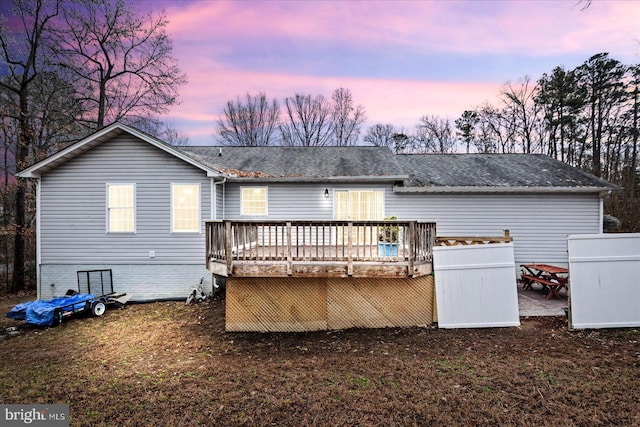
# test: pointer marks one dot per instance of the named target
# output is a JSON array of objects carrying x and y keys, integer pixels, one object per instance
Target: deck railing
[{"x": 232, "y": 243}]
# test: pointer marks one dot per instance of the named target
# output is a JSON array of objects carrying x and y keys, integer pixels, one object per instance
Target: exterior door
[{"x": 359, "y": 205}]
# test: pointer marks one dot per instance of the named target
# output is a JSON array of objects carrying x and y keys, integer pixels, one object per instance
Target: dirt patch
[
  {"x": 172, "y": 364},
  {"x": 544, "y": 322}
]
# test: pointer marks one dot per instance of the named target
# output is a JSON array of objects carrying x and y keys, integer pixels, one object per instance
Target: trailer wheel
[{"x": 98, "y": 308}]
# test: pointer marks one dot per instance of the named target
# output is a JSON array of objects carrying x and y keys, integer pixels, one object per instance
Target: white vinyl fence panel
[
  {"x": 476, "y": 286},
  {"x": 604, "y": 280}
]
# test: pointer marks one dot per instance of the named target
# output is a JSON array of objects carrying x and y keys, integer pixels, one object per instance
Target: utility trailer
[
  {"x": 94, "y": 305},
  {"x": 54, "y": 311},
  {"x": 102, "y": 282}
]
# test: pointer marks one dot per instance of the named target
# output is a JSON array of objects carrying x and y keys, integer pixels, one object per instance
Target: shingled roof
[
  {"x": 494, "y": 172},
  {"x": 409, "y": 172},
  {"x": 300, "y": 162}
]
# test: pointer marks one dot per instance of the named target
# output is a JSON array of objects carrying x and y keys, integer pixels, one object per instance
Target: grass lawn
[{"x": 168, "y": 364}]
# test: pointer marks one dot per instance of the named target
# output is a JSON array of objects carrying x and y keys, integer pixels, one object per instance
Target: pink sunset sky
[{"x": 400, "y": 59}]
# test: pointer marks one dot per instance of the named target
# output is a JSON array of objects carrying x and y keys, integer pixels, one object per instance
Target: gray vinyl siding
[
  {"x": 73, "y": 207},
  {"x": 539, "y": 224},
  {"x": 294, "y": 201}
]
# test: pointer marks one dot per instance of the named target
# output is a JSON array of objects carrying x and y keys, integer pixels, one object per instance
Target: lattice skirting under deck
[{"x": 310, "y": 304}]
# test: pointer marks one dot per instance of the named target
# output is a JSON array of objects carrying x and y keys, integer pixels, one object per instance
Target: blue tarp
[{"x": 41, "y": 312}]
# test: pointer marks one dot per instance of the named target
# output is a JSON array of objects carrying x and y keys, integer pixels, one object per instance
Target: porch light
[{"x": 326, "y": 193}]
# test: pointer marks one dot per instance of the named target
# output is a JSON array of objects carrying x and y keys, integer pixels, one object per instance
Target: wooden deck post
[
  {"x": 412, "y": 247},
  {"x": 350, "y": 249},
  {"x": 289, "y": 250},
  {"x": 228, "y": 247},
  {"x": 208, "y": 231}
]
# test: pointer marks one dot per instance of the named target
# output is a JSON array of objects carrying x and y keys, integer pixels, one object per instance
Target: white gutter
[
  {"x": 285, "y": 179},
  {"x": 471, "y": 189}
]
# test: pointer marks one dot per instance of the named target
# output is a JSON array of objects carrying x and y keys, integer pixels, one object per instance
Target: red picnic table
[{"x": 549, "y": 276}]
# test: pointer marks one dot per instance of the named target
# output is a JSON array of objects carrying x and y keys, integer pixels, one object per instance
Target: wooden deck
[{"x": 320, "y": 248}]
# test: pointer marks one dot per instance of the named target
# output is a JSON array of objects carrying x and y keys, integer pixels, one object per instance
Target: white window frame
[
  {"x": 364, "y": 236},
  {"x": 347, "y": 190},
  {"x": 199, "y": 226},
  {"x": 108, "y": 207},
  {"x": 266, "y": 200}
]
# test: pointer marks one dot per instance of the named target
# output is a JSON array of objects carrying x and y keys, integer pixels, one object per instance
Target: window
[
  {"x": 359, "y": 205},
  {"x": 185, "y": 208},
  {"x": 253, "y": 201},
  {"x": 121, "y": 209}
]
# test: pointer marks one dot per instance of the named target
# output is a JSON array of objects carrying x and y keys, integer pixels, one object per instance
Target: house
[{"x": 123, "y": 200}]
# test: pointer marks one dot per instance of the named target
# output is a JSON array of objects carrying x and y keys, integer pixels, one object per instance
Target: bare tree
[
  {"x": 172, "y": 135},
  {"x": 166, "y": 132},
  {"x": 250, "y": 123},
  {"x": 523, "y": 112},
  {"x": 122, "y": 62},
  {"x": 21, "y": 56},
  {"x": 381, "y": 135},
  {"x": 66, "y": 63},
  {"x": 308, "y": 121},
  {"x": 52, "y": 126},
  {"x": 497, "y": 130},
  {"x": 485, "y": 142},
  {"x": 434, "y": 135},
  {"x": 347, "y": 118},
  {"x": 585, "y": 4}
]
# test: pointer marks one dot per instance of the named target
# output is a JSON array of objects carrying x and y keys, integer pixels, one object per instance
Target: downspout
[
  {"x": 212, "y": 195},
  {"x": 215, "y": 192},
  {"x": 38, "y": 240},
  {"x": 601, "y": 214}
]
